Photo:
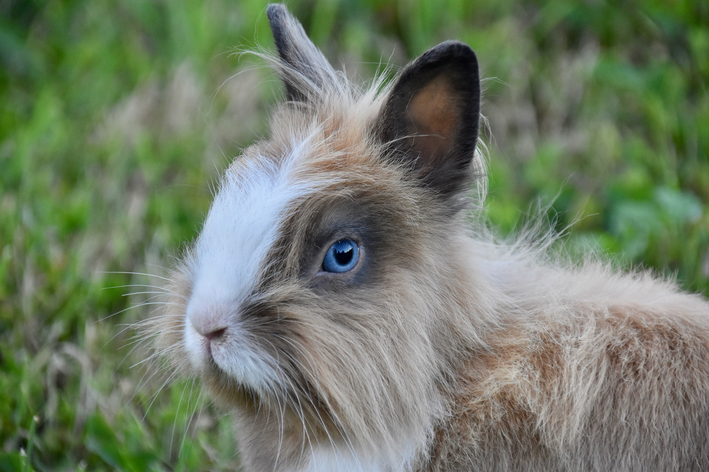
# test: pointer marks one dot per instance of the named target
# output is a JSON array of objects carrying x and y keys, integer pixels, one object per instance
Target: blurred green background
[{"x": 117, "y": 116}]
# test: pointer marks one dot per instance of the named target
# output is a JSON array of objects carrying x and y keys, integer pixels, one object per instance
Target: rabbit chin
[{"x": 230, "y": 362}]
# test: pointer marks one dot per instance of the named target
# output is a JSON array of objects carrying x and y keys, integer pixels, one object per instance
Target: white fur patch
[
  {"x": 241, "y": 227},
  {"x": 343, "y": 459},
  {"x": 327, "y": 461}
]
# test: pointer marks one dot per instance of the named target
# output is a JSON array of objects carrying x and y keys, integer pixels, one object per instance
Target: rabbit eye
[{"x": 341, "y": 257}]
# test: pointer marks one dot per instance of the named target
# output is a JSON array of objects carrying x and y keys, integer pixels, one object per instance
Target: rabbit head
[{"x": 323, "y": 300}]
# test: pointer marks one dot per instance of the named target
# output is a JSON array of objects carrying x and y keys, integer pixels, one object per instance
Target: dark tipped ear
[
  {"x": 303, "y": 68},
  {"x": 431, "y": 119}
]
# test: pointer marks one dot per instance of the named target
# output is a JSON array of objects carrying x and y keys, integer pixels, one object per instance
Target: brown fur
[{"x": 441, "y": 350}]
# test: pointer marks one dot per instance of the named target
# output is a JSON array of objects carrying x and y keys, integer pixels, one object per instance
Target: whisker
[
  {"x": 170, "y": 378},
  {"x": 133, "y": 307},
  {"x": 199, "y": 415},
  {"x": 137, "y": 273},
  {"x": 131, "y": 294},
  {"x": 177, "y": 412},
  {"x": 157, "y": 287}
]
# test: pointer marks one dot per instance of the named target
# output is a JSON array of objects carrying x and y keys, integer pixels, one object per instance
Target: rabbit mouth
[{"x": 228, "y": 358}]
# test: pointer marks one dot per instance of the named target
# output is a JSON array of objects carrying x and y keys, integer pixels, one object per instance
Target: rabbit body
[{"x": 436, "y": 349}]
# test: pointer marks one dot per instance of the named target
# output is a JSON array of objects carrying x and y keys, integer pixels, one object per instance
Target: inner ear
[
  {"x": 431, "y": 118},
  {"x": 434, "y": 119}
]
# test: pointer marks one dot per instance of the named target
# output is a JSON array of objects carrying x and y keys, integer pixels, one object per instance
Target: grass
[{"x": 115, "y": 117}]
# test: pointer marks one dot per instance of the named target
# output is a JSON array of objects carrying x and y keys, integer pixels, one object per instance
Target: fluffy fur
[{"x": 440, "y": 350}]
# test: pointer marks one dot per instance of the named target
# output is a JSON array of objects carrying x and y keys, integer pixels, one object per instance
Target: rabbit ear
[
  {"x": 431, "y": 118},
  {"x": 303, "y": 68}
]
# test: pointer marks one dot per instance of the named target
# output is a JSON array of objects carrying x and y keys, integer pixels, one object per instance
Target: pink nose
[
  {"x": 210, "y": 330},
  {"x": 209, "y": 318},
  {"x": 215, "y": 334},
  {"x": 208, "y": 325}
]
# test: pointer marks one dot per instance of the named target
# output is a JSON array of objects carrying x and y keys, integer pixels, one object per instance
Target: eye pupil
[{"x": 341, "y": 257}]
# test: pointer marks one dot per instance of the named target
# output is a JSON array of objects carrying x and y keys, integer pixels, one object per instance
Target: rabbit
[{"x": 341, "y": 306}]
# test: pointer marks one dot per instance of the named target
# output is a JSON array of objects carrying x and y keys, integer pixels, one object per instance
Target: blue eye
[{"x": 341, "y": 257}]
